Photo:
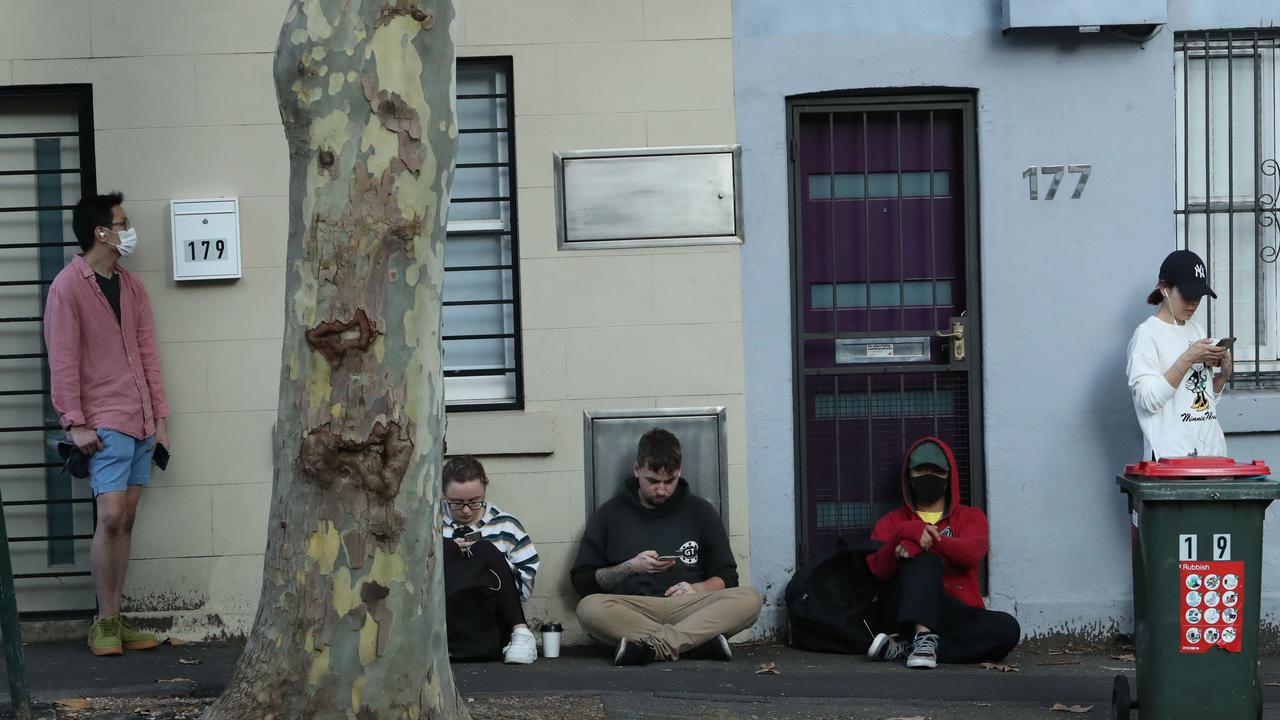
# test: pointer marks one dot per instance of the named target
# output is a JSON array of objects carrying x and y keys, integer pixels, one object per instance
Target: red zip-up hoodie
[{"x": 962, "y": 546}]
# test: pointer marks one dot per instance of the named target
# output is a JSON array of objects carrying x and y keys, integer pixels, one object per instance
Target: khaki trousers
[{"x": 670, "y": 625}]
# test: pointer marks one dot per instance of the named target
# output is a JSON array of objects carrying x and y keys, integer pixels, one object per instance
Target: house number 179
[{"x": 1033, "y": 173}]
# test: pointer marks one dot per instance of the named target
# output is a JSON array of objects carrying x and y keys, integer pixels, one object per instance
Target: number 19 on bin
[{"x": 1187, "y": 547}]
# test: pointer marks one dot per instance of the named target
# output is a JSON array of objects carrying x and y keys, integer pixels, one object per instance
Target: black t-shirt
[{"x": 111, "y": 288}]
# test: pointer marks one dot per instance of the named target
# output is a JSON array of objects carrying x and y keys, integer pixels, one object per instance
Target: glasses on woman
[{"x": 459, "y": 504}]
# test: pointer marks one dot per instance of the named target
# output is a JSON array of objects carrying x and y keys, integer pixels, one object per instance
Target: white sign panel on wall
[
  {"x": 206, "y": 238},
  {"x": 644, "y": 197}
]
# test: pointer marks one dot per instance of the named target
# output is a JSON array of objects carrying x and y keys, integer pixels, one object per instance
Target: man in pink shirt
[{"x": 107, "y": 389}]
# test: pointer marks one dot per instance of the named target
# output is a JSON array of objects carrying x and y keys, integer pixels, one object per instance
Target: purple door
[{"x": 884, "y": 264}]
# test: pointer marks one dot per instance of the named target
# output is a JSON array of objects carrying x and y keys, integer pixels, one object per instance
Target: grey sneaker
[
  {"x": 887, "y": 647},
  {"x": 924, "y": 651}
]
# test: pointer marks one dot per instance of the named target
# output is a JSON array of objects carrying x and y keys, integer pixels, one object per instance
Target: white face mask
[{"x": 128, "y": 242}]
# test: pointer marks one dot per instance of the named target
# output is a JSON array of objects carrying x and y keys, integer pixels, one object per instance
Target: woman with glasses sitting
[{"x": 489, "y": 567}]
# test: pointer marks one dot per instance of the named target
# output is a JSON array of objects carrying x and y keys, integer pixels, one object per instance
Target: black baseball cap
[{"x": 1185, "y": 270}]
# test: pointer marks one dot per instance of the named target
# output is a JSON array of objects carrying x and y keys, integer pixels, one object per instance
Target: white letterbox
[{"x": 206, "y": 239}]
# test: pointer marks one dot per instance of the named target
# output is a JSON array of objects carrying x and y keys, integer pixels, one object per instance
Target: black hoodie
[{"x": 685, "y": 525}]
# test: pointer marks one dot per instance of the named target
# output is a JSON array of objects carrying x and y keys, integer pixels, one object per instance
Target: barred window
[
  {"x": 1228, "y": 91},
  {"x": 482, "y": 365}
]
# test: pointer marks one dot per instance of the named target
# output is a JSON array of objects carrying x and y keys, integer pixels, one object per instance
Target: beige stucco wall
[{"x": 185, "y": 107}]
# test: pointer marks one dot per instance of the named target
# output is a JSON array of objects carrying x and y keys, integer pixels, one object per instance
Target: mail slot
[{"x": 850, "y": 351}]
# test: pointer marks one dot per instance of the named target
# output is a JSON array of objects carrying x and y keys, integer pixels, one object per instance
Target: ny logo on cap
[{"x": 1200, "y": 271}]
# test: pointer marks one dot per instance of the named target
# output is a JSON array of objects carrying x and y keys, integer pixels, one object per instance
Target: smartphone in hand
[
  {"x": 1226, "y": 342},
  {"x": 666, "y": 558},
  {"x": 160, "y": 456},
  {"x": 473, "y": 536}
]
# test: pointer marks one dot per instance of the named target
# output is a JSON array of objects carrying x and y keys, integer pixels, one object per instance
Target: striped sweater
[{"x": 507, "y": 534}]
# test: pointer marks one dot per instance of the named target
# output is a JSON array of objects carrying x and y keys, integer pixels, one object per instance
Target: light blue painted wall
[{"x": 1063, "y": 282}]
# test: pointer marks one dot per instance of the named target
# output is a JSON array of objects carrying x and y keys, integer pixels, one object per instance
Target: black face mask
[{"x": 928, "y": 489}]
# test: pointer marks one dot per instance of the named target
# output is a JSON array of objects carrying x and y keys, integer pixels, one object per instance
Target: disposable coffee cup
[{"x": 551, "y": 640}]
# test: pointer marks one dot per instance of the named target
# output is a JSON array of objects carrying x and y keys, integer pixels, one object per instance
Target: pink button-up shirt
[{"x": 104, "y": 373}]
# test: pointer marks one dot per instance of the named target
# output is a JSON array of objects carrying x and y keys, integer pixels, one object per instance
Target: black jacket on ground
[{"x": 685, "y": 525}]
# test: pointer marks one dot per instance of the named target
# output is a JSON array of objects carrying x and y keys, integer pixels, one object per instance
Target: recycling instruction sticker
[{"x": 1211, "y": 595}]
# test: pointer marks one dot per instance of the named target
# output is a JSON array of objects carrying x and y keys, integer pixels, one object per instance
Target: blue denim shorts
[{"x": 123, "y": 461}]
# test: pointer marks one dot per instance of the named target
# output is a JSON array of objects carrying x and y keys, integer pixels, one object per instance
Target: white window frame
[{"x": 465, "y": 390}]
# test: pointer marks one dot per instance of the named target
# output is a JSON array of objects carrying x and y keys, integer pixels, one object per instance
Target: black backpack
[
  {"x": 470, "y": 612},
  {"x": 831, "y": 602}
]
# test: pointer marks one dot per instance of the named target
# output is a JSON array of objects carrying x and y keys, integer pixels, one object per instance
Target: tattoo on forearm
[{"x": 609, "y": 577}]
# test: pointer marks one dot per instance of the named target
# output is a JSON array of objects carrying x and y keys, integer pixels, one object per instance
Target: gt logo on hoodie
[{"x": 689, "y": 553}]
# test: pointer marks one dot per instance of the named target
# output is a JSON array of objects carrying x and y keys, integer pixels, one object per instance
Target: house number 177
[{"x": 1034, "y": 172}]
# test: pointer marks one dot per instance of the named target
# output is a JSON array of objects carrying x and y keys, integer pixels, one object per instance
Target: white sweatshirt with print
[{"x": 1175, "y": 421}]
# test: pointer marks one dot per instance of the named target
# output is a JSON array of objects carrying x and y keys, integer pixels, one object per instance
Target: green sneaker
[
  {"x": 134, "y": 639},
  {"x": 104, "y": 636}
]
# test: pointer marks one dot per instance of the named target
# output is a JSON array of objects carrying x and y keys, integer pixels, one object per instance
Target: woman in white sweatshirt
[{"x": 1171, "y": 366}]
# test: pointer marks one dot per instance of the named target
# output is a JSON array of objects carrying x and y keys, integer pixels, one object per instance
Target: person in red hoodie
[{"x": 929, "y": 559}]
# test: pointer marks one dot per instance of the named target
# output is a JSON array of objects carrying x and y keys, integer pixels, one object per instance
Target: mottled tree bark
[{"x": 351, "y": 619}]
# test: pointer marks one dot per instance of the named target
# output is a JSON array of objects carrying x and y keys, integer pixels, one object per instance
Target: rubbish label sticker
[
  {"x": 1210, "y": 602},
  {"x": 1187, "y": 548}
]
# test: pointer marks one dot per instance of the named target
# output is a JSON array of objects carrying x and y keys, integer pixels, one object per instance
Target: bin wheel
[{"x": 1121, "y": 703}]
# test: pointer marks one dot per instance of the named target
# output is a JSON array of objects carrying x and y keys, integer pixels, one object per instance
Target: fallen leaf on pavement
[
  {"x": 1127, "y": 657},
  {"x": 1059, "y": 707},
  {"x": 768, "y": 668},
  {"x": 187, "y": 661},
  {"x": 177, "y": 641},
  {"x": 73, "y": 704},
  {"x": 998, "y": 666}
]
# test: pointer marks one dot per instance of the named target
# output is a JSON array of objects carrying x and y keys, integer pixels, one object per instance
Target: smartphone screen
[{"x": 473, "y": 536}]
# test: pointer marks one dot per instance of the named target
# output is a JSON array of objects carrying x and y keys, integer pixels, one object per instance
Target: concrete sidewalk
[{"x": 807, "y": 685}]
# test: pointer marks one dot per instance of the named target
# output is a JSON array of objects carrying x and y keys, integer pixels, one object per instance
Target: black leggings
[
  {"x": 966, "y": 634},
  {"x": 509, "y": 611}
]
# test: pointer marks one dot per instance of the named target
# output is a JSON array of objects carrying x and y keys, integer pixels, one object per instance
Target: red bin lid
[{"x": 1205, "y": 466}]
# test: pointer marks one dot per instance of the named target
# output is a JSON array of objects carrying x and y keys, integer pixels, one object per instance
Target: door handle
[{"x": 957, "y": 338}]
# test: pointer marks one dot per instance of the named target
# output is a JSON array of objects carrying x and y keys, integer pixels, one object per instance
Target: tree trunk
[{"x": 351, "y": 619}]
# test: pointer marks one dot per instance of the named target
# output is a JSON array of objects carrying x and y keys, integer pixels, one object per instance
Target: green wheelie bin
[{"x": 1197, "y": 575}]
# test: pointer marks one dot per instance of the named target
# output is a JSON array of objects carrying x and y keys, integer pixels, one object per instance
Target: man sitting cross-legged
[
  {"x": 655, "y": 569},
  {"x": 930, "y": 557}
]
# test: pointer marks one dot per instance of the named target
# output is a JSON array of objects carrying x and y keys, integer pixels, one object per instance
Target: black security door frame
[{"x": 964, "y": 101}]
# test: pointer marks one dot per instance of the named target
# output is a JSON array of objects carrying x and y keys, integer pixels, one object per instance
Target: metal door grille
[
  {"x": 46, "y": 162},
  {"x": 884, "y": 217},
  {"x": 1228, "y": 180},
  {"x": 879, "y": 417}
]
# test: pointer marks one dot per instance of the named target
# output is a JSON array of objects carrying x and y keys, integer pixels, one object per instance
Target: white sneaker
[{"x": 522, "y": 649}]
